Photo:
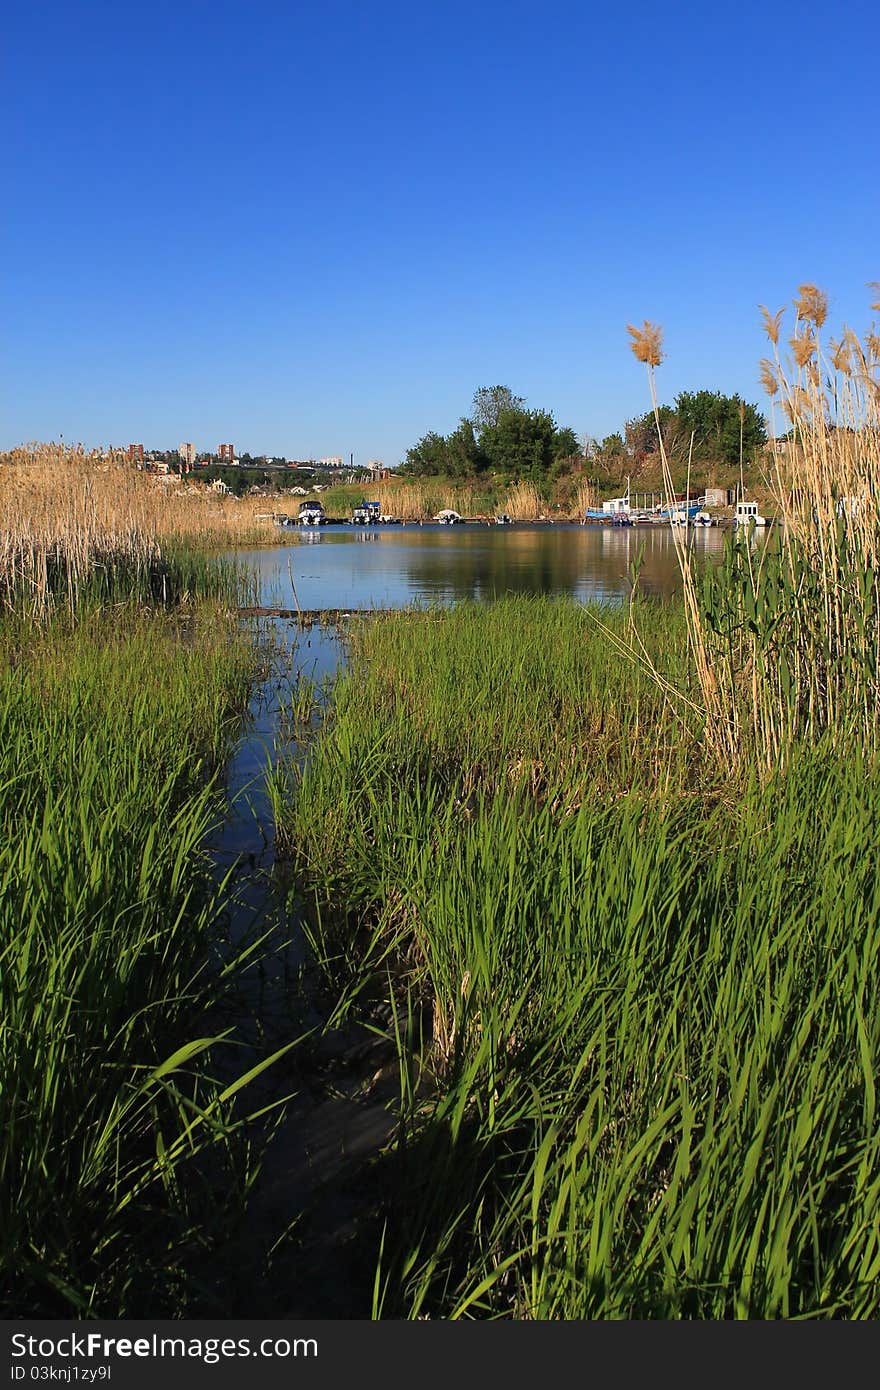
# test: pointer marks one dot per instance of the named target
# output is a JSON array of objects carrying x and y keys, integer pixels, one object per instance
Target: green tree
[
  {"x": 464, "y": 455},
  {"x": 490, "y": 402},
  {"x": 612, "y": 447},
  {"x": 516, "y": 442},
  {"x": 718, "y": 424},
  {"x": 521, "y": 444},
  {"x": 566, "y": 444},
  {"x": 427, "y": 458}
]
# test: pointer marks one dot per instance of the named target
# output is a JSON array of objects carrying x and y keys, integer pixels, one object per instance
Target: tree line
[
  {"x": 499, "y": 436},
  {"x": 706, "y": 426}
]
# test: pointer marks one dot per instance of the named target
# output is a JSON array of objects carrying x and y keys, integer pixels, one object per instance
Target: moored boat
[
  {"x": 747, "y": 514},
  {"x": 311, "y": 514},
  {"x": 677, "y": 513},
  {"x": 365, "y": 514}
]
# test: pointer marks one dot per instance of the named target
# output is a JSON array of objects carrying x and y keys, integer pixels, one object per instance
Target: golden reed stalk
[
  {"x": 63, "y": 510},
  {"x": 791, "y": 647}
]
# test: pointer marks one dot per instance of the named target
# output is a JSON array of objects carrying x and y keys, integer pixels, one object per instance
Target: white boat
[
  {"x": 502, "y": 519},
  {"x": 614, "y": 507},
  {"x": 448, "y": 517},
  {"x": 677, "y": 513},
  {"x": 747, "y": 514},
  {"x": 366, "y": 514},
  {"x": 311, "y": 514}
]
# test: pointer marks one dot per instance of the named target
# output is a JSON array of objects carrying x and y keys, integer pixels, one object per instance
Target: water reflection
[{"x": 348, "y": 568}]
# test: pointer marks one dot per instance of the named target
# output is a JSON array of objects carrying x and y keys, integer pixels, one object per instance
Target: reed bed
[
  {"x": 112, "y": 957},
  {"x": 78, "y": 528},
  {"x": 635, "y": 1003},
  {"x": 586, "y": 495},
  {"x": 786, "y": 642},
  {"x": 524, "y": 503},
  {"x": 422, "y": 501},
  {"x": 656, "y": 1035},
  {"x": 546, "y": 695}
]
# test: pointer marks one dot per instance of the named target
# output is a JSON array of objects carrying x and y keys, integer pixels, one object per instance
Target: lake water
[
  {"x": 349, "y": 568},
  {"x": 352, "y": 567},
  {"x": 337, "y": 1125}
]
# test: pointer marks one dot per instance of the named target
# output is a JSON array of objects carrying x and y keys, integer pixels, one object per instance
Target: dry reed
[
  {"x": 524, "y": 502},
  {"x": 67, "y": 517},
  {"x": 786, "y": 640}
]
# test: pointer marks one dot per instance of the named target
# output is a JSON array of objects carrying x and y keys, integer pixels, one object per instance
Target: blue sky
[{"x": 318, "y": 229}]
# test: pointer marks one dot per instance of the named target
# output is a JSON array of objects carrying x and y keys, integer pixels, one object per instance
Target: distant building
[
  {"x": 377, "y": 470},
  {"x": 335, "y": 462},
  {"x": 187, "y": 455},
  {"x": 136, "y": 454},
  {"x": 226, "y": 453}
]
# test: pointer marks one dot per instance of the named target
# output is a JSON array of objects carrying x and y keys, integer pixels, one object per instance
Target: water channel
[{"x": 313, "y": 1173}]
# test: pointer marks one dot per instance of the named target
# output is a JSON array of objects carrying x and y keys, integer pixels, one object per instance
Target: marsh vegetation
[
  {"x": 617, "y": 873},
  {"x": 603, "y": 878}
]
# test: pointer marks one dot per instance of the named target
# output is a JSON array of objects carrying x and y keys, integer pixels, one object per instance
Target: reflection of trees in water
[
  {"x": 590, "y": 562},
  {"x": 659, "y": 574}
]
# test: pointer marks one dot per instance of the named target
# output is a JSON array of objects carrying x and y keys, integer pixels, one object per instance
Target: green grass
[
  {"x": 113, "y": 732},
  {"x": 636, "y": 1002},
  {"x": 95, "y": 574}
]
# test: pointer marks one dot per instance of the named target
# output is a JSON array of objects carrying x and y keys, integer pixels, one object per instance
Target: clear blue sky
[{"x": 317, "y": 228}]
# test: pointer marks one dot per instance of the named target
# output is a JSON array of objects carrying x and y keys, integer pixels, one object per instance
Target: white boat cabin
[
  {"x": 747, "y": 514},
  {"x": 311, "y": 514}
]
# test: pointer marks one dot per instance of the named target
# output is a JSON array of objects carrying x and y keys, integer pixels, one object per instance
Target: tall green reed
[
  {"x": 112, "y": 737},
  {"x": 785, "y": 640},
  {"x": 647, "y": 1087}
]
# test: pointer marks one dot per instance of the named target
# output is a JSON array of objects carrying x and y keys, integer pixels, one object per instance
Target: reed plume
[
  {"x": 647, "y": 343},
  {"x": 786, "y": 639},
  {"x": 812, "y": 305},
  {"x": 772, "y": 323}
]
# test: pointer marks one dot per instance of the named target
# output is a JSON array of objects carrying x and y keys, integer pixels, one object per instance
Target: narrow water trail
[{"x": 307, "y": 1247}]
